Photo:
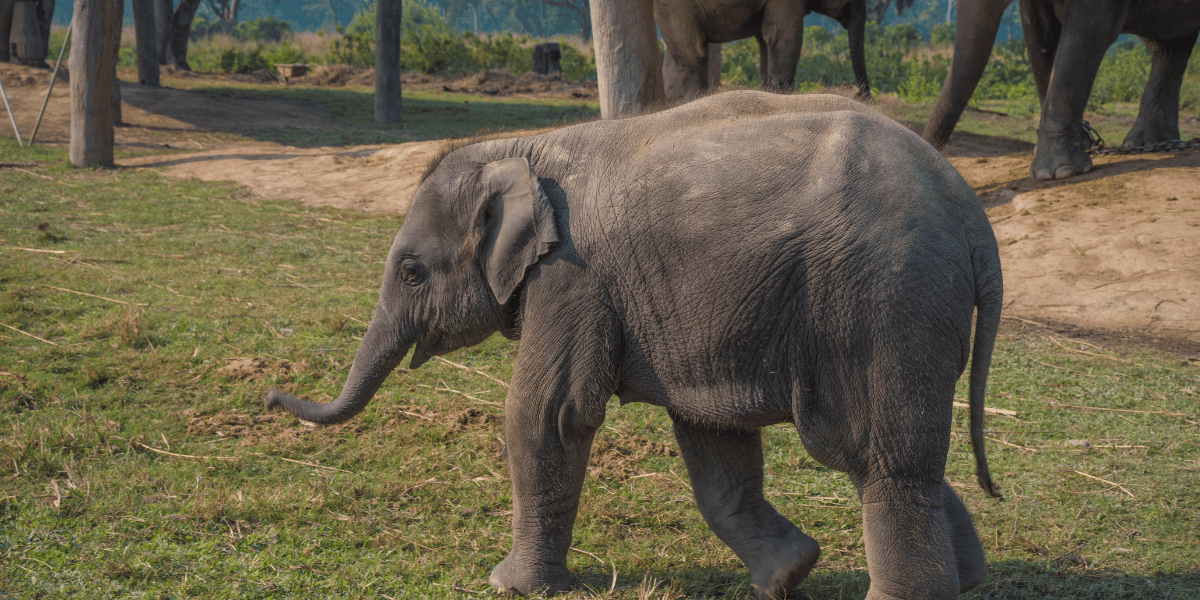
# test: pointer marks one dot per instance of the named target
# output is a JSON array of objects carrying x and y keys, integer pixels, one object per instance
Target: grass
[
  {"x": 428, "y": 114},
  {"x": 145, "y": 317}
]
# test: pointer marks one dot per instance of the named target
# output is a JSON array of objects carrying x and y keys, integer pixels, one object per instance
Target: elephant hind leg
[
  {"x": 1158, "y": 117},
  {"x": 910, "y": 552},
  {"x": 968, "y": 551},
  {"x": 726, "y": 470}
]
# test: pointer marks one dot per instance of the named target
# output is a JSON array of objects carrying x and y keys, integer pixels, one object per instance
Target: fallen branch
[
  {"x": 446, "y": 388},
  {"x": 29, "y": 334},
  {"x": 990, "y": 410},
  {"x": 466, "y": 368},
  {"x": 309, "y": 464},
  {"x": 1161, "y": 413},
  {"x": 94, "y": 296},
  {"x": 1112, "y": 483},
  {"x": 190, "y": 456},
  {"x": 1010, "y": 444},
  {"x": 1085, "y": 352},
  {"x": 40, "y": 250}
]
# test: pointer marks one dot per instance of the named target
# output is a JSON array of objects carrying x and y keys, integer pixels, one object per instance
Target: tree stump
[{"x": 547, "y": 59}]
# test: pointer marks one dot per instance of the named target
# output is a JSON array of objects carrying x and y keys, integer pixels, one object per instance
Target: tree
[
  {"x": 226, "y": 11},
  {"x": 628, "y": 63},
  {"x": 582, "y": 11},
  {"x": 877, "y": 9}
]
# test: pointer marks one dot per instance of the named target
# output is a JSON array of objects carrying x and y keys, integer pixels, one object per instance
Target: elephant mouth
[{"x": 421, "y": 355}]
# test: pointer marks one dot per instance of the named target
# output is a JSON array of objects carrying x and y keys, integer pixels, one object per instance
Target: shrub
[
  {"x": 1122, "y": 75},
  {"x": 943, "y": 34},
  {"x": 234, "y": 60},
  {"x": 202, "y": 27},
  {"x": 264, "y": 29},
  {"x": 576, "y": 65}
]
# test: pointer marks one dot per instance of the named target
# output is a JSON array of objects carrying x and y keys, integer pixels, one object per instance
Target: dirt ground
[{"x": 1113, "y": 255}]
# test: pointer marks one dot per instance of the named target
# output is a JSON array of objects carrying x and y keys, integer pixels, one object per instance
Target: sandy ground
[{"x": 1114, "y": 254}]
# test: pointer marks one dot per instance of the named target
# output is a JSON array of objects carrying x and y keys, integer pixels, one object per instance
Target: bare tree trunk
[
  {"x": 97, "y": 30},
  {"x": 628, "y": 63},
  {"x": 181, "y": 30},
  {"x": 146, "y": 31},
  {"x": 163, "y": 10},
  {"x": 388, "y": 104}
]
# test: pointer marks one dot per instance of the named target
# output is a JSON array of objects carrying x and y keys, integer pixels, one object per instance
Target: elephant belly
[
  {"x": 1162, "y": 20},
  {"x": 743, "y": 404}
]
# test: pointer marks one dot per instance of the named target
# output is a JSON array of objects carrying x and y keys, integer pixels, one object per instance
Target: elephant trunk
[
  {"x": 976, "y": 27},
  {"x": 383, "y": 347}
]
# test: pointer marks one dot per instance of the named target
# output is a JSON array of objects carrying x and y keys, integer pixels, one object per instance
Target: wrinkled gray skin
[
  {"x": 743, "y": 260},
  {"x": 1066, "y": 41},
  {"x": 688, "y": 26}
]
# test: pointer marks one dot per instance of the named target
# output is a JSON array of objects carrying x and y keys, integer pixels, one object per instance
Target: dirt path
[{"x": 1115, "y": 252}]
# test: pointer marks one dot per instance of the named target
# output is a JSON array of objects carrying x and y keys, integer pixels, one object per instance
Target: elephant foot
[
  {"x": 524, "y": 578},
  {"x": 1061, "y": 156},
  {"x": 777, "y": 568},
  {"x": 1143, "y": 135}
]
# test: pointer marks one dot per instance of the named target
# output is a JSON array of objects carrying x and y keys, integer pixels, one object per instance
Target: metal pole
[
  {"x": 10, "y": 114},
  {"x": 46, "y": 100}
]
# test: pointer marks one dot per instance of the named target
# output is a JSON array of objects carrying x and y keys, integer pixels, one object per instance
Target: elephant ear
[{"x": 518, "y": 224}]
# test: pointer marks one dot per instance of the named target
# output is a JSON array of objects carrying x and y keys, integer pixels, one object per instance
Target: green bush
[
  {"x": 202, "y": 27},
  {"x": 234, "y": 60},
  {"x": 502, "y": 52},
  {"x": 943, "y": 34},
  {"x": 264, "y": 29},
  {"x": 1122, "y": 75},
  {"x": 577, "y": 66}
]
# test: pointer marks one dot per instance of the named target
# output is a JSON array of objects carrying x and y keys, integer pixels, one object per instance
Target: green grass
[
  {"x": 133, "y": 465},
  {"x": 427, "y": 114}
]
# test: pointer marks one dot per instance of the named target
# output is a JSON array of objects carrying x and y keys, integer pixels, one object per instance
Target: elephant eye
[{"x": 413, "y": 272}]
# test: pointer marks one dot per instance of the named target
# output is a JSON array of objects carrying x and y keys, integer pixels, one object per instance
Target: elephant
[
  {"x": 689, "y": 26},
  {"x": 30, "y": 36},
  {"x": 1083, "y": 30},
  {"x": 743, "y": 260}
]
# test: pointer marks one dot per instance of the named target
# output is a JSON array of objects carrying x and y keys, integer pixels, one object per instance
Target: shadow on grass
[
  {"x": 347, "y": 115},
  {"x": 1063, "y": 578}
]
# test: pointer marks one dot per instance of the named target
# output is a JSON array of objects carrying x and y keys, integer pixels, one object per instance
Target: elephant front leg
[
  {"x": 1086, "y": 33},
  {"x": 726, "y": 470},
  {"x": 547, "y": 454},
  {"x": 782, "y": 37},
  {"x": 1158, "y": 118}
]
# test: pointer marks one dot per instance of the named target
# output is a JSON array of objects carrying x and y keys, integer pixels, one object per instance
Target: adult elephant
[
  {"x": 743, "y": 260},
  {"x": 1066, "y": 41},
  {"x": 689, "y": 26}
]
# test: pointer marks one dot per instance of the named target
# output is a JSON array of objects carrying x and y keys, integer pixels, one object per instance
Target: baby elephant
[{"x": 743, "y": 260}]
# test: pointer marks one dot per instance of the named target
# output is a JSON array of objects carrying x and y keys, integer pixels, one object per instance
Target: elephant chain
[{"x": 1097, "y": 144}]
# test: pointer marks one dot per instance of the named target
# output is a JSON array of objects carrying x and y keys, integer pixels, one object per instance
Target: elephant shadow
[{"x": 1067, "y": 576}]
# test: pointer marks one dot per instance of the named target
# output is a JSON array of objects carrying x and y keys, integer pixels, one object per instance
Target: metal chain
[{"x": 1097, "y": 144}]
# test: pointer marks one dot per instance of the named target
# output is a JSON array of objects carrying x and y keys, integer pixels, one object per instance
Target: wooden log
[
  {"x": 145, "y": 29},
  {"x": 96, "y": 29},
  {"x": 388, "y": 104},
  {"x": 628, "y": 63}
]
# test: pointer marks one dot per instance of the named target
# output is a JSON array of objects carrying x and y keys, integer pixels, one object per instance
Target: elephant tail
[{"x": 989, "y": 301}]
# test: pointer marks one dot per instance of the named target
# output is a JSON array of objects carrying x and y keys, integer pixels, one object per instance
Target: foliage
[
  {"x": 943, "y": 34},
  {"x": 264, "y": 29},
  {"x": 1122, "y": 75},
  {"x": 577, "y": 65},
  {"x": 203, "y": 27}
]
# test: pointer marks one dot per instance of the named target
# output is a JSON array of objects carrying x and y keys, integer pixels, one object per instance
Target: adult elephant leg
[
  {"x": 856, "y": 33},
  {"x": 726, "y": 470},
  {"x": 782, "y": 36},
  {"x": 1042, "y": 31},
  {"x": 977, "y": 23},
  {"x": 683, "y": 72},
  {"x": 968, "y": 551},
  {"x": 1158, "y": 118},
  {"x": 1062, "y": 143}
]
